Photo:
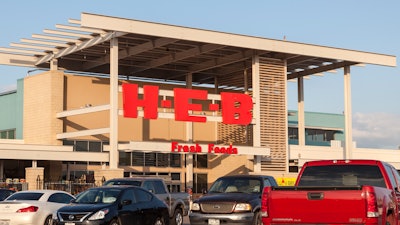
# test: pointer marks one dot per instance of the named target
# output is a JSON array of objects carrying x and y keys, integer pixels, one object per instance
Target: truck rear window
[{"x": 342, "y": 175}]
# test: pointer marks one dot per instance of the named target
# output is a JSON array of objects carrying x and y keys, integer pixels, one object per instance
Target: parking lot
[{"x": 186, "y": 220}]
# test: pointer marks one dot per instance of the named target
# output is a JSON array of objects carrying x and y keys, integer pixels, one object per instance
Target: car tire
[
  {"x": 114, "y": 222},
  {"x": 257, "y": 218},
  {"x": 48, "y": 220},
  {"x": 177, "y": 219},
  {"x": 159, "y": 221}
]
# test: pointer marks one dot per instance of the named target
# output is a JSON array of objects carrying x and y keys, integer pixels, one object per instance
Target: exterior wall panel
[
  {"x": 273, "y": 114},
  {"x": 43, "y": 98}
]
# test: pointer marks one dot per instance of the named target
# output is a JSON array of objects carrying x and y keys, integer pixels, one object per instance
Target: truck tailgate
[{"x": 317, "y": 205}]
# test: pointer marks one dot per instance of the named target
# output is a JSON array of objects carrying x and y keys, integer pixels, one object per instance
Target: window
[
  {"x": 293, "y": 133},
  {"x": 60, "y": 198},
  {"x": 159, "y": 187},
  {"x": 26, "y": 196},
  {"x": 342, "y": 175},
  {"x": 86, "y": 146},
  {"x": 129, "y": 195},
  {"x": 201, "y": 161},
  {"x": 320, "y": 135},
  {"x": 81, "y": 146},
  {"x": 150, "y": 159},
  {"x": 7, "y": 134},
  {"x": 162, "y": 159},
  {"x": 95, "y": 146},
  {"x": 137, "y": 159},
  {"x": 142, "y": 196},
  {"x": 175, "y": 176},
  {"x": 124, "y": 158},
  {"x": 176, "y": 160},
  {"x": 199, "y": 182}
]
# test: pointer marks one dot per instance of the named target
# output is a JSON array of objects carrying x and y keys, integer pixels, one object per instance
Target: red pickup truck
[{"x": 336, "y": 192}]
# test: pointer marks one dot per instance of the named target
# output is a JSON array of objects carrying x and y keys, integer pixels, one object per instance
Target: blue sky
[{"x": 366, "y": 25}]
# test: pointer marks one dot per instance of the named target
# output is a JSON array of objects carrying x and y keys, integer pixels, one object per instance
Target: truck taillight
[
  {"x": 264, "y": 201},
  {"x": 370, "y": 198}
]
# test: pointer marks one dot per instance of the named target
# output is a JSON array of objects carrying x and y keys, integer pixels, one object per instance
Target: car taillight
[
  {"x": 264, "y": 201},
  {"x": 28, "y": 209},
  {"x": 370, "y": 198}
]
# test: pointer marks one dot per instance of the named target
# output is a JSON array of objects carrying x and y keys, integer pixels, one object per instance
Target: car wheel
[
  {"x": 257, "y": 219},
  {"x": 48, "y": 220},
  {"x": 114, "y": 222},
  {"x": 177, "y": 219},
  {"x": 159, "y": 221}
]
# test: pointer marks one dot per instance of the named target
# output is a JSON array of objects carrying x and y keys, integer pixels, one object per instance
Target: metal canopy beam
[
  {"x": 319, "y": 69},
  {"x": 129, "y": 52},
  {"x": 177, "y": 57}
]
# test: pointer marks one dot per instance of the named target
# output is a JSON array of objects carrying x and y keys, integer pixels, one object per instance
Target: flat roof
[{"x": 150, "y": 50}]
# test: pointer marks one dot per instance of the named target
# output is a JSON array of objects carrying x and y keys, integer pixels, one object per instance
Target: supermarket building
[{"x": 119, "y": 97}]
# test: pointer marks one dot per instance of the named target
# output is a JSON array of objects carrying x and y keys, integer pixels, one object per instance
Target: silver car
[{"x": 32, "y": 207}]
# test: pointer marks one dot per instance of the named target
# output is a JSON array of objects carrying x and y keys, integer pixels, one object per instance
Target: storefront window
[
  {"x": 199, "y": 182},
  {"x": 201, "y": 161},
  {"x": 176, "y": 160},
  {"x": 124, "y": 158}
]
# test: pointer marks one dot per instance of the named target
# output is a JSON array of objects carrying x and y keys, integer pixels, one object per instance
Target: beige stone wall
[
  {"x": 32, "y": 176},
  {"x": 43, "y": 98}
]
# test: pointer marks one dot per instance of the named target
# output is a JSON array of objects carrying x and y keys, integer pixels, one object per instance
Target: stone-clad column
[{"x": 34, "y": 177}]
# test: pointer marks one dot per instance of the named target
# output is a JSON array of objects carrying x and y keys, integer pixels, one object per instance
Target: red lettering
[
  {"x": 210, "y": 148},
  {"x": 131, "y": 101},
  {"x": 182, "y": 105},
  {"x": 176, "y": 147},
  {"x": 236, "y": 108},
  {"x": 222, "y": 149}
]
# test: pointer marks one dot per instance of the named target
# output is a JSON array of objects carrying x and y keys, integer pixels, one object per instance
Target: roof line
[{"x": 207, "y": 36}]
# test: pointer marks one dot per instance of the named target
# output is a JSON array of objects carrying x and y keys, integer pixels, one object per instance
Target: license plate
[
  {"x": 69, "y": 223},
  {"x": 213, "y": 221}
]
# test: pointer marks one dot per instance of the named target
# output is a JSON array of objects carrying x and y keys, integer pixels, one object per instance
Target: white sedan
[{"x": 33, "y": 207}]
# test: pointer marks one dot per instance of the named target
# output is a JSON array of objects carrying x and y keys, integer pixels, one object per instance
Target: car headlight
[
  {"x": 195, "y": 207},
  {"x": 101, "y": 214},
  {"x": 241, "y": 207}
]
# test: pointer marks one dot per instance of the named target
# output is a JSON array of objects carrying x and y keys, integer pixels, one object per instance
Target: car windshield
[
  {"x": 93, "y": 196},
  {"x": 236, "y": 184},
  {"x": 123, "y": 182},
  {"x": 25, "y": 196}
]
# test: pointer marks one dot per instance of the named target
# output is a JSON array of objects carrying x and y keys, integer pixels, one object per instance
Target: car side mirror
[{"x": 204, "y": 191}]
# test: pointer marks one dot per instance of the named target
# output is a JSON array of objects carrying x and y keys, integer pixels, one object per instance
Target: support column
[
  {"x": 300, "y": 112},
  {"x": 34, "y": 177},
  {"x": 2, "y": 178},
  {"x": 256, "y": 110},
  {"x": 348, "y": 149},
  {"x": 53, "y": 64},
  {"x": 189, "y": 138},
  {"x": 114, "y": 103}
]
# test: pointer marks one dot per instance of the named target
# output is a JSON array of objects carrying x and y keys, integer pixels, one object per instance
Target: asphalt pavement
[{"x": 186, "y": 220}]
